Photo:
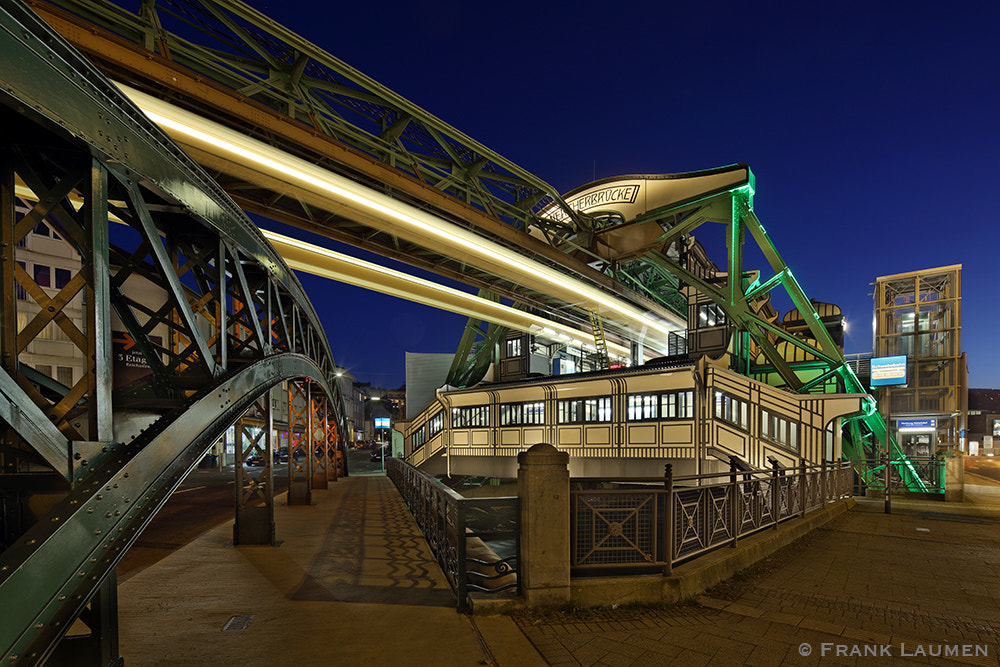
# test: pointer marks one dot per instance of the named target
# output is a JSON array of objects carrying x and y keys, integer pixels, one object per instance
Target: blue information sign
[
  {"x": 888, "y": 371},
  {"x": 917, "y": 423}
]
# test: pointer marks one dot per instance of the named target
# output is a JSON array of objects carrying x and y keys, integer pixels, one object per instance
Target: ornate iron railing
[
  {"x": 651, "y": 524},
  {"x": 870, "y": 473},
  {"x": 486, "y": 560}
]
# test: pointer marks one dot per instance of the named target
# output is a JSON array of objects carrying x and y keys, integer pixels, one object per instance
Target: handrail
[
  {"x": 471, "y": 564},
  {"x": 631, "y": 526}
]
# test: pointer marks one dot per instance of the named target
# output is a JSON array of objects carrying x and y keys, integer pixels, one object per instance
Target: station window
[
  {"x": 710, "y": 315},
  {"x": 643, "y": 406},
  {"x": 677, "y": 405},
  {"x": 578, "y": 410},
  {"x": 470, "y": 417},
  {"x": 436, "y": 424},
  {"x": 513, "y": 347},
  {"x": 417, "y": 439},
  {"x": 779, "y": 429},
  {"x": 734, "y": 410},
  {"x": 522, "y": 414}
]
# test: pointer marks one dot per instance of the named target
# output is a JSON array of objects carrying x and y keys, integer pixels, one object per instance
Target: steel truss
[
  {"x": 226, "y": 61},
  {"x": 181, "y": 277},
  {"x": 742, "y": 295}
]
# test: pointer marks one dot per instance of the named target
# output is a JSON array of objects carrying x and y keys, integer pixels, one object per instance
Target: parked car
[{"x": 378, "y": 454}]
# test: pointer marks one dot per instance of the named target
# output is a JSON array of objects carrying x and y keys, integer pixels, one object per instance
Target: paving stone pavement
[{"x": 917, "y": 586}]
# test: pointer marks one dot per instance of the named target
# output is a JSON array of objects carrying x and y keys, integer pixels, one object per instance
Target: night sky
[{"x": 872, "y": 129}]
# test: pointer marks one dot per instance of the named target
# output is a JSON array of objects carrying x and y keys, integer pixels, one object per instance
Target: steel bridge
[{"x": 249, "y": 117}]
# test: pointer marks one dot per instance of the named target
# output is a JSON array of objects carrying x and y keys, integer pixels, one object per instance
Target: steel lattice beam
[{"x": 198, "y": 294}]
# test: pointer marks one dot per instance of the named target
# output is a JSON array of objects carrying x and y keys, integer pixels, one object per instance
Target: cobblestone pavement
[{"x": 917, "y": 586}]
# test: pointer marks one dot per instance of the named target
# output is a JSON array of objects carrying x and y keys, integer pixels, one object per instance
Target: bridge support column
[
  {"x": 543, "y": 488},
  {"x": 334, "y": 465},
  {"x": 318, "y": 443},
  {"x": 299, "y": 443},
  {"x": 255, "y": 491}
]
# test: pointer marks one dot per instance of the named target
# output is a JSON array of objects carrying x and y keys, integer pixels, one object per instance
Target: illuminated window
[
  {"x": 474, "y": 416},
  {"x": 513, "y": 347},
  {"x": 522, "y": 414},
  {"x": 710, "y": 315},
  {"x": 643, "y": 406},
  {"x": 730, "y": 409},
  {"x": 436, "y": 424},
  {"x": 779, "y": 429},
  {"x": 417, "y": 439},
  {"x": 677, "y": 405},
  {"x": 578, "y": 410}
]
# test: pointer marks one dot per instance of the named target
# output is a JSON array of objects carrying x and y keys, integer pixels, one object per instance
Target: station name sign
[
  {"x": 616, "y": 194},
  {"x": 917, "y": 424}
]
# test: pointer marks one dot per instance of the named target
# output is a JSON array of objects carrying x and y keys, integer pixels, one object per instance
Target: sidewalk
[{"x": 352, "y": 582}]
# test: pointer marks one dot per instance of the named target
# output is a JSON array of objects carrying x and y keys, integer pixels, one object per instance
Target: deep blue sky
[{"x": 872, "y": 129}]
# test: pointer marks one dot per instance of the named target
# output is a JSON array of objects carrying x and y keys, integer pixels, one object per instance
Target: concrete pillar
[
  {"x": 954, "y": 478},
  {"x": 543, "y": 487}
]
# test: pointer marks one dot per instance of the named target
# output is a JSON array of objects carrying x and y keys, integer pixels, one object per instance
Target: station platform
[{"x": 352, "y": 582}]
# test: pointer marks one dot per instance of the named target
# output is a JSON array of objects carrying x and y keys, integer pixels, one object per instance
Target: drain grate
[{"x": 238, "y": 623}]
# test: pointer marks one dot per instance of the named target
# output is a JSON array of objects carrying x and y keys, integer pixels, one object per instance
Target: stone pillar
[
  {"x": 543, "y": 487},
  {"x": 954, "y": 478}
]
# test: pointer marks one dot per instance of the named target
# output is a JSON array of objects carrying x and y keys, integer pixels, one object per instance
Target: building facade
[{"x": 918, "y": 315}]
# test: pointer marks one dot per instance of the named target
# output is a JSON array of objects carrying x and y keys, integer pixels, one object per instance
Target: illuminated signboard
[
  {"x": 888, "y": 371},
  {"x": 381, "y": 422},
  {"x": 916, "y": 424}
]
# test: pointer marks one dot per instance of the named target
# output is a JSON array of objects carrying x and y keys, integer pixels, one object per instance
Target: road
[{"x": 205, "y": 499}]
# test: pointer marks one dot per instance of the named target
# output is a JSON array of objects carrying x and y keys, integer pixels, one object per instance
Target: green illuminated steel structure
[
  {"x": 250, "y": 58},
  {"x": 236, "y": 320}
]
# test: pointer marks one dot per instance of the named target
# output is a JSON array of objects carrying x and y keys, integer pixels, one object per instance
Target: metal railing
[
  {"x": 651, "y": 524},
  {"x": 486, "y": 560},
  {"x": 870, "y": 473}
]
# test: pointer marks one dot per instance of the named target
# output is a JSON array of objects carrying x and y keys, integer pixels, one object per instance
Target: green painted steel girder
[
  {"x": 242, "y": 49},
  {"x": 475, "y": 349},
  {"x": 736, "y": 299},
  {"x": 58, "y": 565}
]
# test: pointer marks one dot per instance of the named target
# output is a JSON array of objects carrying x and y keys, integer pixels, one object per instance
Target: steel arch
[
  {"x": 58, "y": 566},
  {"x": 186, "y": 280}
]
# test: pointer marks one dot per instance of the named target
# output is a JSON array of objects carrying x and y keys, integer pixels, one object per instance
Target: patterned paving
[
  {"x": 913, "y": 587},
  {"x": 372, "y": 551}
]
